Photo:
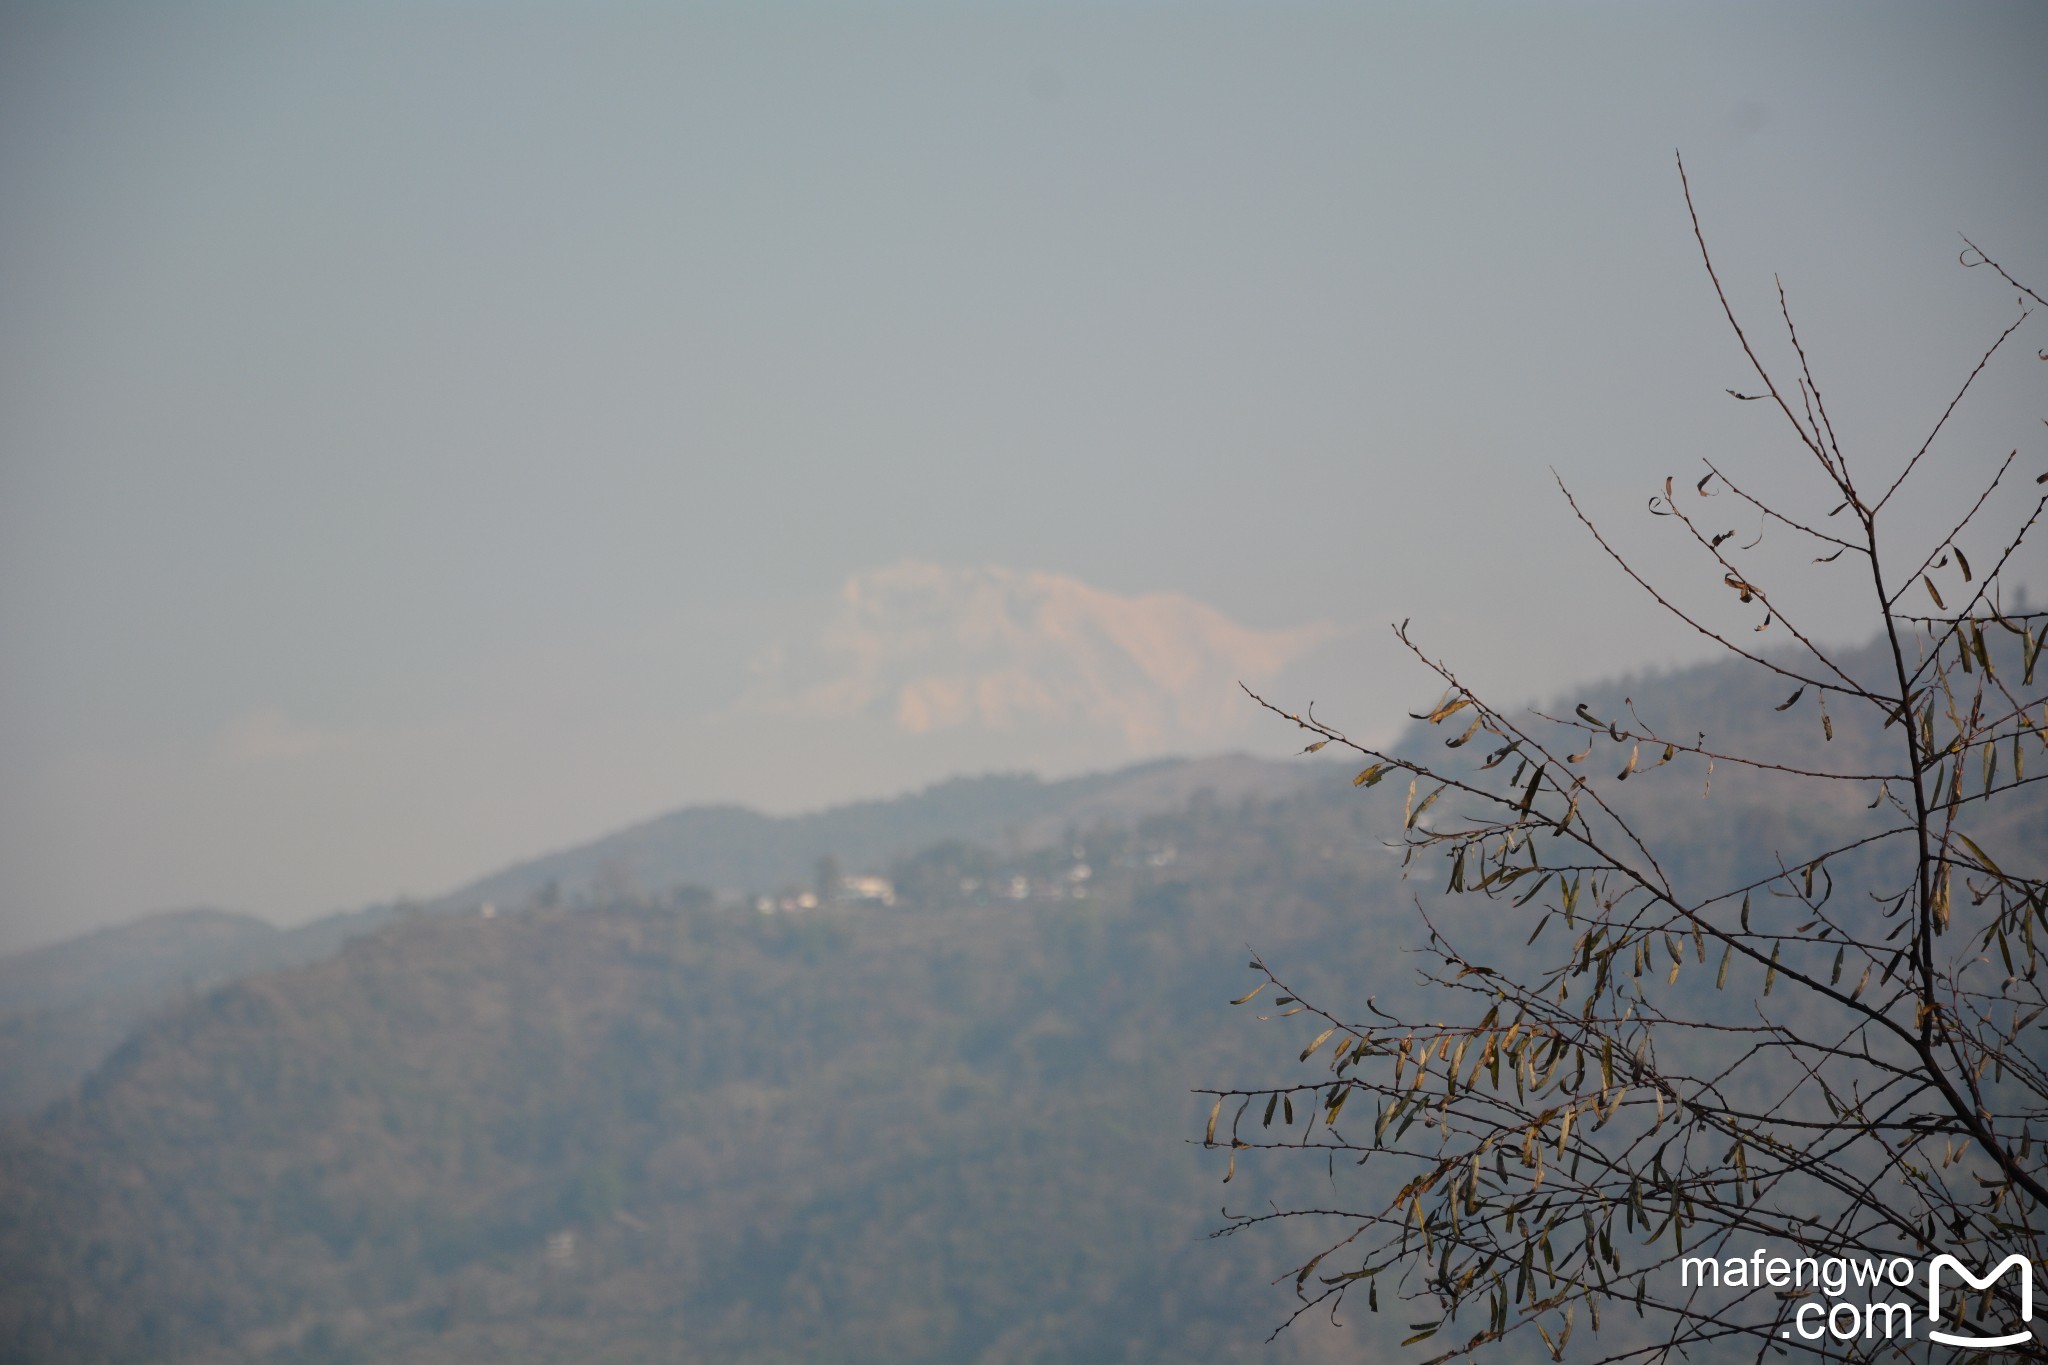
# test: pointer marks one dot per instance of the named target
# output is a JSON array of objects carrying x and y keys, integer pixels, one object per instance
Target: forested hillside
[{"x": 928, "y": 1132}]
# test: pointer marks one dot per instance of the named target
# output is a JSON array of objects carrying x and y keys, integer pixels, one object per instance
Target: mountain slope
[
  {"x": 63, "y": 1008},
  {"x": 945, "y": 1132}
]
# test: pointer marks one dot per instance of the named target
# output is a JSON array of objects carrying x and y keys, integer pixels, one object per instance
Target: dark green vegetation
[{"x": 654, "y": 1129}]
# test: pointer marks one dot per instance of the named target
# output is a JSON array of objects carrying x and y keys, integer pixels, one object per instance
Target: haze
[{"x": 435, "y": 433}]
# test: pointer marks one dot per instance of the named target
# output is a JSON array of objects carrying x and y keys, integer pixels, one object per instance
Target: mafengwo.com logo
[{"x": 1852, "y": 1286}]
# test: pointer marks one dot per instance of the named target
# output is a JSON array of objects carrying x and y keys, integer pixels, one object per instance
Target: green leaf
[{"x": 1982, "y": 856}]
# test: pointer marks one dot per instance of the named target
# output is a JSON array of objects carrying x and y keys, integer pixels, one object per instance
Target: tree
[{"x": 1821, "y": 1054}]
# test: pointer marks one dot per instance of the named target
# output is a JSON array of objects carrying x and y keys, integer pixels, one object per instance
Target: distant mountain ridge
[
  {"x": 731, "y": 848},
  {"x": 64, "y": 1007}
]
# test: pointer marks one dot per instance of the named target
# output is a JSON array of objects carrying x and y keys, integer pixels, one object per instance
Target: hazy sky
[{"x": 434, "y": 433}]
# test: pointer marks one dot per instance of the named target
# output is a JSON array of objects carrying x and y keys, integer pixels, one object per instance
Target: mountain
[
  {"x": 63, "y": 1008},
  {"x": 733, "y": 849},
  {"x": 926, "y": 648},
  {"x": 68, "y": 1005},
  {"x": 947, "y": 1130}
]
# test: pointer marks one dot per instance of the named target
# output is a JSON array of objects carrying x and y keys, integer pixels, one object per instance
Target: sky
[{"x": 436, "y": 433}]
